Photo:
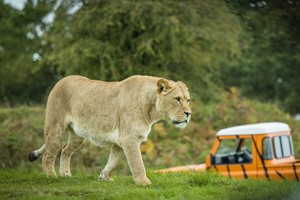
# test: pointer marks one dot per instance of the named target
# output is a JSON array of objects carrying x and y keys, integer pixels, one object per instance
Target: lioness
[{"x": 117, "y": 113}]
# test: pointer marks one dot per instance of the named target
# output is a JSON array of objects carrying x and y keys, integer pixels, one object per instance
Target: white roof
[{"x": 260, "y": 128}]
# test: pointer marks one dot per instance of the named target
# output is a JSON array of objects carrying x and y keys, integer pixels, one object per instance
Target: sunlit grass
[{"x": 24, "y": 184}]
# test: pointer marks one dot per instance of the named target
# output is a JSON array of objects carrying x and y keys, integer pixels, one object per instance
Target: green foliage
[
  {"x": 269, "y": 68},
  {"x": 20, "y": 184},
  {"x": 112, "y": 40},
  {"x": 21, "y": 79},
  {"x": 19, "y": 129}
]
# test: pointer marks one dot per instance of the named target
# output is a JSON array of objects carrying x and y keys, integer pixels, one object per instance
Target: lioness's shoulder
[
  {"x": 73, "y": 78},
  {"x": 141, "y": 78}
]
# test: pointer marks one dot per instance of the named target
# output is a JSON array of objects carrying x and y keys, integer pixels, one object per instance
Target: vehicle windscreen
[{"x": 234, "y": 151}]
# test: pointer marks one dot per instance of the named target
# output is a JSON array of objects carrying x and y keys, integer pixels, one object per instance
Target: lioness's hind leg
[
  {"x": 53, "y": 144},
  {"x": 74, "y": 142}
]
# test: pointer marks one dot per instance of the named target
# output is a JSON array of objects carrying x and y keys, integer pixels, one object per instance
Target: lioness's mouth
[{"x": 179, "y": 122}]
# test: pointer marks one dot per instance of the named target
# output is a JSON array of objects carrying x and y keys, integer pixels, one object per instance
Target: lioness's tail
[{"x": 36, "y": 154}]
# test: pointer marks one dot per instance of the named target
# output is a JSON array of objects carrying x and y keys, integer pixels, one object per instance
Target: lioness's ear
[{"x": 163, "y": 86}]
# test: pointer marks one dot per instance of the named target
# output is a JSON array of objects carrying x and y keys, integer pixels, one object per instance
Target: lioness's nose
[{"x": 187, "y": 113}]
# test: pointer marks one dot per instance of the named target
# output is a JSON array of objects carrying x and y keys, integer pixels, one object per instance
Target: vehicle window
[
  {"x": 234, "y": 151},
  {"x": 283, "y": 146},
  {"x": 286, "y": 148},
  {"x": 277, "y": 146},
  {"x": 267, "y": 148}
]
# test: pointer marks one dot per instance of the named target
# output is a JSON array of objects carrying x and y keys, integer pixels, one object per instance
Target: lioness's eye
[
  {"x": 188, "y": 100},
  {"x": 178, "y": 99}
]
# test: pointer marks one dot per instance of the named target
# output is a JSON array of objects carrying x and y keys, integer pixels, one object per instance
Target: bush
[{"x": 21, "y": 131}]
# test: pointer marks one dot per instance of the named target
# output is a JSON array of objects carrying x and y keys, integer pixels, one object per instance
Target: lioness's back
[{"x": 78, "y": 88}]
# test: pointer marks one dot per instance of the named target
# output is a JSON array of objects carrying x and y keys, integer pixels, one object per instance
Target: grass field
[{"x": 24, "y": 184}]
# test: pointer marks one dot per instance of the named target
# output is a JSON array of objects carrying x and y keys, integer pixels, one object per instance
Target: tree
[
  {"x": 111, "y": 40},
  {"x": 21, "y": 78},
  {"x": 270, "y": 66}
]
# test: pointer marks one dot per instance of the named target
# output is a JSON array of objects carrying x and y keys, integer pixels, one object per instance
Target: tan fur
[{"x": 116, "y": 113}]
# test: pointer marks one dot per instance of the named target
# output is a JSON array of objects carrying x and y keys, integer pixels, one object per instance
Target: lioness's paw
[
  {"x": 104, "y": 177},
  {"x": 66, "y": 174},
  {"x": 143, "y": 181}
]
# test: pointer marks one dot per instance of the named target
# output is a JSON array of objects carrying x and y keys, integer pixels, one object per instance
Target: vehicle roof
[{"x": 255, "y": 129}]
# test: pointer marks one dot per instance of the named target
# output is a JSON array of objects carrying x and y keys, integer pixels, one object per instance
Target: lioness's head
[{"x": 173, "y": 102}]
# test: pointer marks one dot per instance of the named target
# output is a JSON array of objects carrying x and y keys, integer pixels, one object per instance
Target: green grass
[{"x": 24, "y": 184}]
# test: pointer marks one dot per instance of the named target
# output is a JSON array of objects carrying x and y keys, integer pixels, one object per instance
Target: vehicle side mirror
[{"x": 212, "y": 159}]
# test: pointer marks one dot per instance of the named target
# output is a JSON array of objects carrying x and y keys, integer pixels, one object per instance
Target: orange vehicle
[{"x": 263, "y": 150}]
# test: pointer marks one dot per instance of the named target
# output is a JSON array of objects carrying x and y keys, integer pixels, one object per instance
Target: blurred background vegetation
[{"x": 240, "y": 60}]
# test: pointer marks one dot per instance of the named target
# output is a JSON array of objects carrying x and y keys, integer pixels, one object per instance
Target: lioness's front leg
[
  {"x": 116, "y": 154},
  {"x": 132, "y": 152}
]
